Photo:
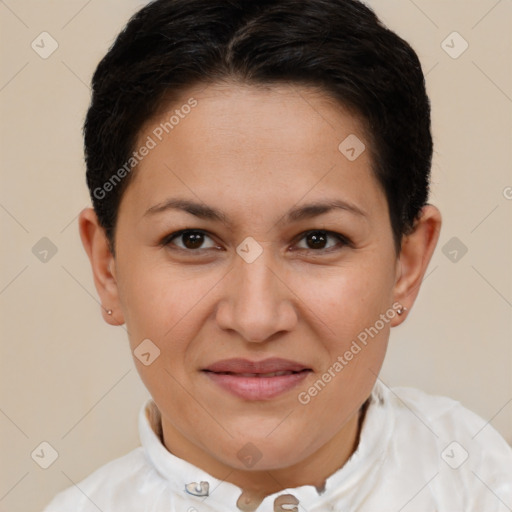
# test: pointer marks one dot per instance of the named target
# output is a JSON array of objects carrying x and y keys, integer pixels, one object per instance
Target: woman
[{"x": 259, "y": 173}]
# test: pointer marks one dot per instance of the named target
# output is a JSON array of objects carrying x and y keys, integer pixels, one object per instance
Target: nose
[{"x": 258, "y": 302}]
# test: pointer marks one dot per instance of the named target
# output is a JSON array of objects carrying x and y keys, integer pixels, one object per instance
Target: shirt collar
[{"x": 187, "y": 479}]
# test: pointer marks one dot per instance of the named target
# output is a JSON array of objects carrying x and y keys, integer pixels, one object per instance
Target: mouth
[
  {"x": 257, "y": 380},
  {"x": 259, "y": 375}
]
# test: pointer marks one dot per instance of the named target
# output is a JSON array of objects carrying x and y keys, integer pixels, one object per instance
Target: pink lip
[{"x": 231, "y": 375}]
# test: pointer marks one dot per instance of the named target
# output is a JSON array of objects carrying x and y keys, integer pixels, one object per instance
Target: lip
[
  {"x": 242, "y": 377},
  {"x": 239, "y": 365}
]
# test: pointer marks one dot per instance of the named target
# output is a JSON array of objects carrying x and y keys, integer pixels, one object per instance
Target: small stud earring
[
  {"x": 402, "y": 310},
  {"x": 109, "y": 311}
]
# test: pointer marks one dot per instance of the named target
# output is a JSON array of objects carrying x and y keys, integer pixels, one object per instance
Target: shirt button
[
  {"x": 196, "y": 489},
  {"x": 246, "y": 504},
  {"x": 286, "y": 499}
]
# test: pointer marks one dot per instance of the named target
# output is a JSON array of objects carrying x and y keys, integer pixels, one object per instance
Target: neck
[{"x": 256, "y": 485}]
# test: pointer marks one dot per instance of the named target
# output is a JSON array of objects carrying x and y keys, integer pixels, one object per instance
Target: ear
[
  {"x": 96, "y": 246},
  {"x": 415, "y": 254}
]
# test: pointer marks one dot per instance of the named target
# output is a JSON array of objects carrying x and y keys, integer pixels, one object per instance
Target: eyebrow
[{"x": 296, "y": 214}]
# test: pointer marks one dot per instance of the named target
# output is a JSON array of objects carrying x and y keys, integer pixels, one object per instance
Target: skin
[{"x": 254, "y": 153}]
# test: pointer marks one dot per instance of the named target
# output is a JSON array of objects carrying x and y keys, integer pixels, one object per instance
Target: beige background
[{"x": 67, "y": 377}]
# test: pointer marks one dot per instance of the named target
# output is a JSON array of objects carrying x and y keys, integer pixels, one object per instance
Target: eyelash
[{"x": 345, "y": 241}]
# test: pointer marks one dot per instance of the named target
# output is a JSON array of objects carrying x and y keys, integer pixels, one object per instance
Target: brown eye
[
  {"x": 318, "y": 240},
  {"x": 190, "y": 240}
]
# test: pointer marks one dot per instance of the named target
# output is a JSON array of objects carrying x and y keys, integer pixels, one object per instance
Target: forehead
[
  {"x": 255, "y": 143},
  {"x": 278, "y": 116}
]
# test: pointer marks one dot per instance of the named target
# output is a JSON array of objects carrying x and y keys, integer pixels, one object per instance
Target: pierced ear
[
  {"x": 96, "y": 246},
  {"x": 415, "y": 255}
]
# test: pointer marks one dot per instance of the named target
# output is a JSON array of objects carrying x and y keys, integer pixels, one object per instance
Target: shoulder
[
  {"x": 437, "y": 410},
  {"x": 461, "y": 449},
  {"x": 444, "y": 415},
  {"x": 118, "y": 477}
]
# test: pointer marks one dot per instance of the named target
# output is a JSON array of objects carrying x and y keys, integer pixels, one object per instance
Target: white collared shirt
[{"x": 417, "y": 453}]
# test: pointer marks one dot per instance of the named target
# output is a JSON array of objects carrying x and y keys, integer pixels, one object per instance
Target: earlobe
[
  {"x": 415, "y": 255},
  {"x": 102, "y": 261}
]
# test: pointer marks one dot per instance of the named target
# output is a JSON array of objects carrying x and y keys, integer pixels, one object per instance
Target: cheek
[
  {"x": 169, "y": 308},
  {"x": 354, "y": 338},
  {"x": 156, "y": 297},
  {"x": 348, "y": 299}
]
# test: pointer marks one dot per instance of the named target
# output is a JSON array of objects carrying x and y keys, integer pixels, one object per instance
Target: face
[{"x": 254, "y": 273}]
